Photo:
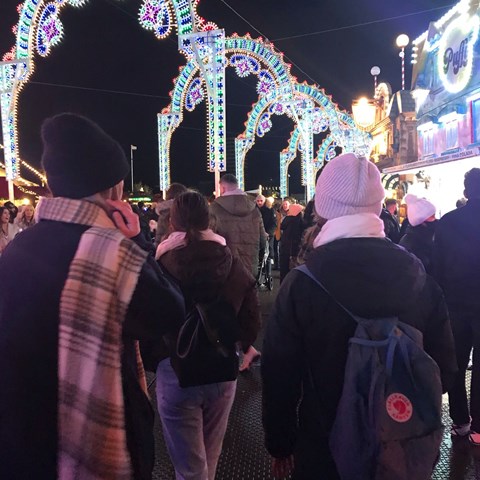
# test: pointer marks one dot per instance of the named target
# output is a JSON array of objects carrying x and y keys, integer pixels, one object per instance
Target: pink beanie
[
  {"x": 418, "y": 209},
  {"x": 348, "y": 185}
]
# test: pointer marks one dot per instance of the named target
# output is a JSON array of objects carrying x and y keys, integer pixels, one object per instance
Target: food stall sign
[{"x": 456, "y": 53}]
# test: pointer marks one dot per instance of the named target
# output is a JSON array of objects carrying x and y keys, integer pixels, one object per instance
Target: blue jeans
[{"x": 194, "y": 421}]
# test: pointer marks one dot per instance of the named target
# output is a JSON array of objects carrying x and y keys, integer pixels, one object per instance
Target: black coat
[
  {"x": 36, "y": 264},
  {"x": 457, "y": 255},
  {"x": 269, "y": 220},
  {"x": 390, "y": 225},
  {"x": 308, "y": 332},
  {"x": 419, "y": 241}
]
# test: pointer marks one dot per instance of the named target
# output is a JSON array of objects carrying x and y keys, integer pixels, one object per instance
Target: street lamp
[
  {"x": 364, "y": 111},
  {"x": 375, "y": 72},
  {"x": 132, "y": 149},
  {"x": 402, "y": 42}
]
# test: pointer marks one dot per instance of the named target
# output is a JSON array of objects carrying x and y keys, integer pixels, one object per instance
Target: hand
[
  {"x": 124, "y": 218},
  {"x": 282, "y": 467}
]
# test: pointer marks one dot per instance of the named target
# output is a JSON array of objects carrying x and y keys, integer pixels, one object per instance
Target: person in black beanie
[{"x": 93, "y": 293}]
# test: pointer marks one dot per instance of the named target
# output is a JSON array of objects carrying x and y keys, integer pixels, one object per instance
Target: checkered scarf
[{"x": 92, "y": 442}]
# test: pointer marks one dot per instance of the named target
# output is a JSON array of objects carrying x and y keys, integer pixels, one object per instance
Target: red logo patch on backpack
[{"x": 399, "y": 407}]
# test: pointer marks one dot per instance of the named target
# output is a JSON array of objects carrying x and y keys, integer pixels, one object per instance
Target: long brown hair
[{"x": 190, "y": 214}]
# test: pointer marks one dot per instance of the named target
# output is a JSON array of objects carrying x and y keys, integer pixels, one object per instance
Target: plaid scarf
[{"x": 92, "y": 440}]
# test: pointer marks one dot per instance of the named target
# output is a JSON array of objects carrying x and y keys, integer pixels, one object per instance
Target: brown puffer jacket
[
  {"x": 204, "y": 270},
  {"x": 238, "y": 220}
]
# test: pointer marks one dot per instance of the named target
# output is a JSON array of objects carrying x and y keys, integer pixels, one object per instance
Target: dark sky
[{"x": 105, "y": 50}]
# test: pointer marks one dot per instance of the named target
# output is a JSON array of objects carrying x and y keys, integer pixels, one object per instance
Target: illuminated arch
[
  {"x": 325, "y": 116},
  {"x": 249, "y": 57},
  {"x": 326, "y": 151},
  {"x": 40, "y": 29}
]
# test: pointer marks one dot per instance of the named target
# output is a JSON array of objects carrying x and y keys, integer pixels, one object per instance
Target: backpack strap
[
  {"x": 305, "y": 270},
  {"x": 391, "y": 342}
]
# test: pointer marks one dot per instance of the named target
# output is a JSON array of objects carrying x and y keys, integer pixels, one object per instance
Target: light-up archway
[
  {"x": 248, "y": 57},
  {"x": 323, "y": 116},
  {"x": 40, "y": 29},
  {"x": 326, "y": 151}
]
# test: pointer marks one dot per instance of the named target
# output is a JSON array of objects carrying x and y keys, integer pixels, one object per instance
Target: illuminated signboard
[{"x": 455, "y": 55}]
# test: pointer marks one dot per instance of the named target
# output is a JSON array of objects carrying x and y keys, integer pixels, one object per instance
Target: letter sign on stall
[{"x": 455, "y": 55}]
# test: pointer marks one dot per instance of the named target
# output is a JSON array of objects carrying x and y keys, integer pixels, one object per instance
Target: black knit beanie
[{"x": 80, "y": 159}]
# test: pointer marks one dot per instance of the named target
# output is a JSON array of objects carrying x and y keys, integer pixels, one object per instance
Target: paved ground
[{"x": 244, "y": 457}]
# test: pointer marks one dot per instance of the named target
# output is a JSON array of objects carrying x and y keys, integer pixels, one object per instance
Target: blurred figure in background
[
  {"x": 418, "y": 238},
  {"x": 8, "y": 230},
  {"x": 457, "y": 269},
  {"x": 292, "y": 229},
  {"x": 390, "y": 220},
  {"x": 163, "y": 211},
  {"x": 26, "y": 218}
]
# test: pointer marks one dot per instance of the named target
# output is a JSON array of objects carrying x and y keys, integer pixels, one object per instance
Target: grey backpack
[{"x": 388, "y": 424}]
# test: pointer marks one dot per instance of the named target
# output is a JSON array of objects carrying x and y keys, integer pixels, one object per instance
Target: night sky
[{"x": 105, "y": 51}]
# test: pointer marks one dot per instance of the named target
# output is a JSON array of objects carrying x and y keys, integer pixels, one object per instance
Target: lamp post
[
  {"x": 375, "y": 72},
  {"x": 402, "y": 42},
  {"x": 132, "y": 149}
]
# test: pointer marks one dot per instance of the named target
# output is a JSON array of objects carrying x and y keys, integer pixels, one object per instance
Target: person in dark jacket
[
  {"x": 307, "y": 337},
  {"x": 418, "y": 238},
  {"x": 292, "y": 230},
  {"x": 269, "y": 217},
  {"x": 73, "y": 400},
  {"x": 390, "y": 220},
  {"x": 457, "y": 269},
  {"x": 194, "y": 419}
]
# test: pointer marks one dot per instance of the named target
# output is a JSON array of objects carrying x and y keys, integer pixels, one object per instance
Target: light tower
[{"x": 402, "y": 42}]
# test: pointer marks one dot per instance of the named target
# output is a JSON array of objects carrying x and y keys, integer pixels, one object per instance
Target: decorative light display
[
  {"x": 39, "y": 29},
  {"x": 248, "y": 57},
  {"x": 195, "y": 95},
  {"x": 49, "y": 30},
  {"x": 208, "y": 53},
  {"x": 167, "y": 123},
  {"x": 156, "y": 15},
  {"x": 323, "y": 117},
  {"x": 456, "y": 52}
]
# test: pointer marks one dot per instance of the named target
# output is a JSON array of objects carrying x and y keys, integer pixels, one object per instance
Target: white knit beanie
[
  {"x": 348, "y": 185},
  {"x": 418, "y": 209}
]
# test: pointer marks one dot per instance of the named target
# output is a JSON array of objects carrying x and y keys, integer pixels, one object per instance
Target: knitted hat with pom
[
  {"x": 418, "y": 209},
  {"x": 80, "y": 159},
  {"x": 348, "y": 185}
]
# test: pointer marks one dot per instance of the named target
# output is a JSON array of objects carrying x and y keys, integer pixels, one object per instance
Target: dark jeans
[
  {"x": 466, "y": 332},
  {"x": 313, "y": 460},
  {"x": 276, "y": 244}
]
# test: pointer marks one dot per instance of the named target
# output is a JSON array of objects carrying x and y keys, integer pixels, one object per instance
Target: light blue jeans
[{"x": 194, "y": 421}]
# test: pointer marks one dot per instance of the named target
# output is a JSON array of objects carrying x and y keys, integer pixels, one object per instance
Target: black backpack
[{"x": 206, "y": 350}]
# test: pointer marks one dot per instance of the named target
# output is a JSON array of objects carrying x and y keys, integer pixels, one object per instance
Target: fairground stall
[{"x": 446, "y": 88}]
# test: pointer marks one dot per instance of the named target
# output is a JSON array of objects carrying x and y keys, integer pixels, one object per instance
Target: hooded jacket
[
  {"x": 306, "y": 342},
  {"x": 237, "y": 218}
]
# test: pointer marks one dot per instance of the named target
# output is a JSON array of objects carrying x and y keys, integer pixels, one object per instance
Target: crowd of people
[{"x": 108, "y": 290}]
